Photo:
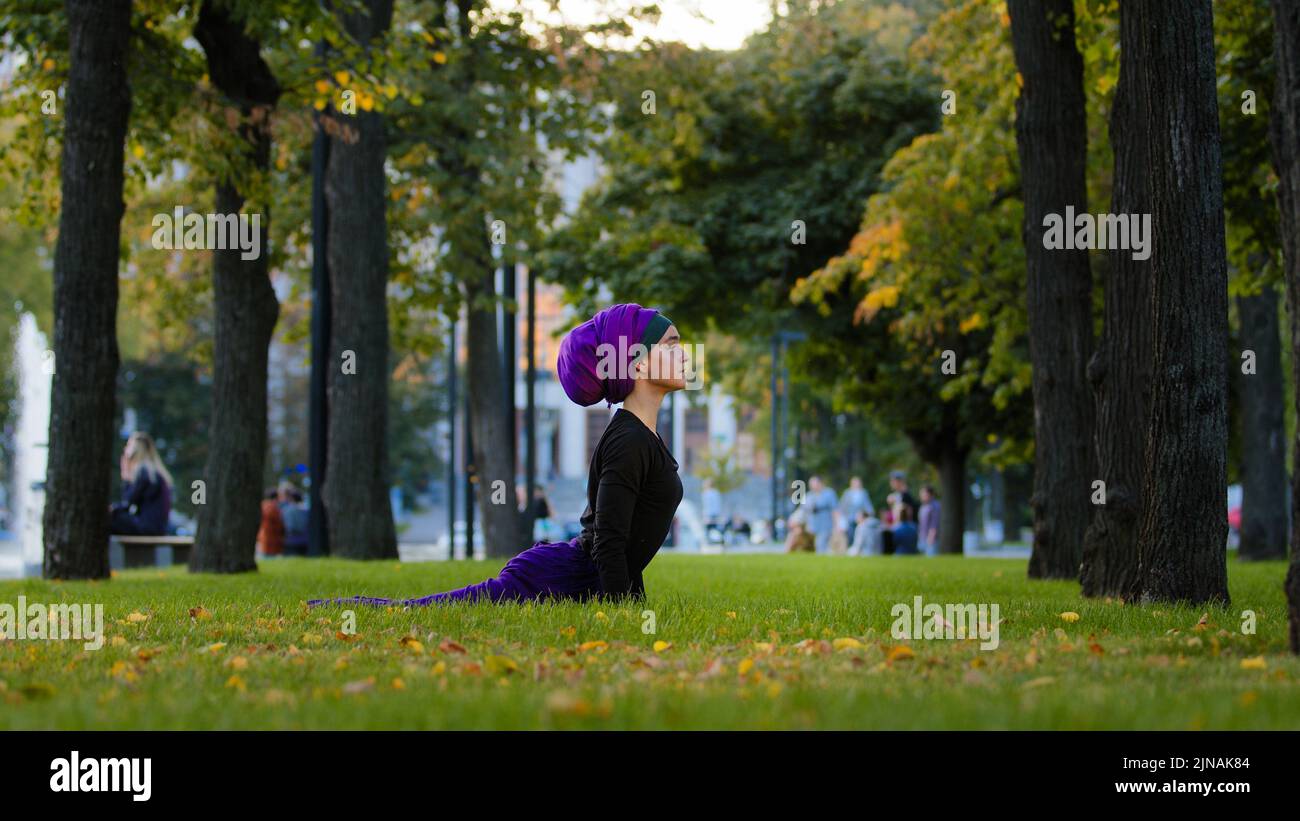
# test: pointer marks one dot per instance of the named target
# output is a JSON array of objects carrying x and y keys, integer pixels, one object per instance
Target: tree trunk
[
  {"x": 356, "y": 474},
  {"x": 1182, "y": 553},
  {"x": 1263, "y": 431},
  {"x": 1284, "y": 131},
  {"x": 82, "y": 402},
  {"x": 1051, "y": 133},
  {"x": 952, "y": 505},
  {"x": 494, "y": 450},
  {"x": 246, "y": 312},
  {"x": 1120, "y": 369}
]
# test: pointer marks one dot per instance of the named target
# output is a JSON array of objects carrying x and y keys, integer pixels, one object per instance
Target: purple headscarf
[{"x": 621, "y": 327}]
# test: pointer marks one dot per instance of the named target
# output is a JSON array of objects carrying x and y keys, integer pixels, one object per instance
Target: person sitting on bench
[{"x": 147, "y": 501}]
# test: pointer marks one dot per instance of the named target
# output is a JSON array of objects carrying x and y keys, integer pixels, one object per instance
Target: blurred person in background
[{"x": 146, "y": 504}]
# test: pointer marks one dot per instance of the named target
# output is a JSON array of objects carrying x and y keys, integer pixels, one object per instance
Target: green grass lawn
[{"x": 753, "y": 642}]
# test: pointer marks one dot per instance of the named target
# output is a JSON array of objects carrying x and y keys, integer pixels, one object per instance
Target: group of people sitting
[
  {"x": 826, "y": 523},
  {"x": 284, "y": 523}
]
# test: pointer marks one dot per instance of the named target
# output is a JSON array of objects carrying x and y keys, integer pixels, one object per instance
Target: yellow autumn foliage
[{"x": 885, "y": 296}]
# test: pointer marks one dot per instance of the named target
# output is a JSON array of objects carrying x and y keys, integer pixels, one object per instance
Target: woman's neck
[{"x": 645, "y": 405}]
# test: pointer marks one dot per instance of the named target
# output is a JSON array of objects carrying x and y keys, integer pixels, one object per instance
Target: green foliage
[
  {"x": 937, "y": 269},
  {"x": 492, "y": 103},
  {"x": 1243, "y": 33},
  {"x": 695, "y": 212},
  {"x": 719, "y": 466}
]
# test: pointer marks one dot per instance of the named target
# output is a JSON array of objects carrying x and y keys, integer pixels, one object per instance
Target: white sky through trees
[{"x": 715, "y": 24}]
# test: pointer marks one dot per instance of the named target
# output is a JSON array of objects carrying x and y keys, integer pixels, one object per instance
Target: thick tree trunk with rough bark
[
  {"x": 356, "y": 489},
  {"x": 82, "y": 402},
  {"x": 1263, "y": 431},
  {"x": 1120, "y": 369},
  {"x": 246, "y": 313},
  {"x": 1182, "y": 552},
  {"x": 1284, "y": 132},
  {"x": 1051, "y": 133}
]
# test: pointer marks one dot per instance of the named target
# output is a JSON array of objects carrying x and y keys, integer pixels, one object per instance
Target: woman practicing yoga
[{"x": 626, "y": 354}]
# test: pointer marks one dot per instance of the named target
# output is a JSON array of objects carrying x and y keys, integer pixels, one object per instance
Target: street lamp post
[
  {"x": 781, "y": 402},
  {"x": 776, "y": 477},
  {"x": 451, "y": 442}
]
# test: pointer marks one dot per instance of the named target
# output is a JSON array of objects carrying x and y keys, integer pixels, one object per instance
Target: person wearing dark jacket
[
  {"x": 295, "y": 518},
  {"x": 147, "y": 500},
  {"x": 626, "y": 354},
  {"x": 905, "y": 532}
]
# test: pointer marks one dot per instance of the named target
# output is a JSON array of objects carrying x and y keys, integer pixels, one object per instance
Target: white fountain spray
[{"x": 31, "y": 440}]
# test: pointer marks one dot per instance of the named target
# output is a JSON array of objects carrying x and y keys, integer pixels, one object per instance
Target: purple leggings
[{"x": 560, "y": 570}]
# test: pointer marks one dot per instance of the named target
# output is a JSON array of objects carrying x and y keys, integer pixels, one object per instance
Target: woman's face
[{"x": 665, "y": 364}]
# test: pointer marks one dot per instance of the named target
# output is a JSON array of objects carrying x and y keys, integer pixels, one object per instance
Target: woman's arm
[{"x": 621, "y": 475}]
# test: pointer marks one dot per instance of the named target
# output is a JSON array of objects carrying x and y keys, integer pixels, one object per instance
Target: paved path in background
[{"x": 428, "y": 551}]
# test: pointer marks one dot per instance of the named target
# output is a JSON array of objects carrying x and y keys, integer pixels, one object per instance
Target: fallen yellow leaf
[
  {"x": 497, "y": 665},
  {"x": 900, "y": 652},
  {"x": 412, "y": 643}
]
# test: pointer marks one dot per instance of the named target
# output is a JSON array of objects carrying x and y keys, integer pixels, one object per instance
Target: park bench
[{"x": 148, "y": 551}]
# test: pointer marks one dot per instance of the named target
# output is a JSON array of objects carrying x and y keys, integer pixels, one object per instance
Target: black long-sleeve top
[
  {"x": 145, "y": 507},
  {"x": 632, "y": 494}
]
